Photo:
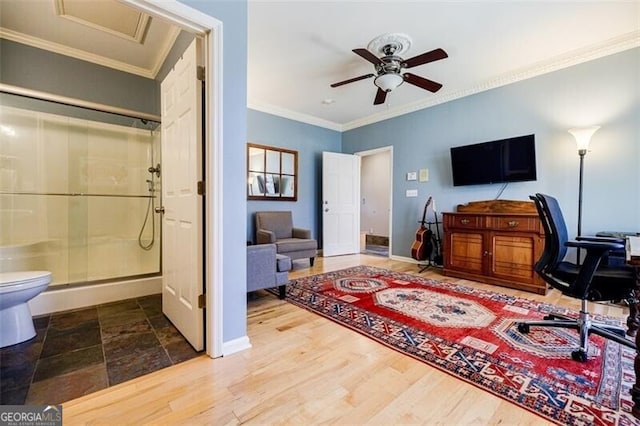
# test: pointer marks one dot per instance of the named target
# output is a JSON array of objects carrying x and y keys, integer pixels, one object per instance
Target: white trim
[
  {"x": 74, "y": 53},
  {"x": 210, "y": 29},
  {"x": 404, "y": 259},
  {"x": 236, "y": 345},
  {"x": 215, "y": 188},
  {"x": 64, "y": 299},
  {"x": 608, "y": 47},
  {"x": 165, "y": 52},
  {"x": 380, "y": 150},
  {"x": 296, "y": 116}
]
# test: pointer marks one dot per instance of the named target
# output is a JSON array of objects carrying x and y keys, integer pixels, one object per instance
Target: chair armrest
[
  {"x": 261, "y": 266},
  {"x": 601, "y": 239},
  {"x": 265, "y": 237},
  {"x": 596, "y": 246},
  {"x": 301, "y": 233}
]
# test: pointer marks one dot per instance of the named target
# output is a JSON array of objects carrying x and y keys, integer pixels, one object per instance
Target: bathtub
[{"x": 107, "y": 269}]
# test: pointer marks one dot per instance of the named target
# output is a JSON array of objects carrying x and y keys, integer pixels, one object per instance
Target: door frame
[
  {"x": 210, "y": 29},
  {"x": 388, "y": 149}
]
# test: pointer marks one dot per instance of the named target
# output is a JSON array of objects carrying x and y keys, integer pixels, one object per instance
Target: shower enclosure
[{"x": 78, "y": 190}]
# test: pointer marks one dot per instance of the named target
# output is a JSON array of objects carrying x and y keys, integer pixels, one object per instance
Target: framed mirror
[{"x": 272, "y": 173}]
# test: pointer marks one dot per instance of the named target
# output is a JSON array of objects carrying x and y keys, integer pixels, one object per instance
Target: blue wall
[
  {"x": 233, "y": 15},
  {"x": 310, "y": 141},
  {"x": 603, "y": 92},
  {"x": 37, "y": 69},
  {"x": 40, "y": 70}
]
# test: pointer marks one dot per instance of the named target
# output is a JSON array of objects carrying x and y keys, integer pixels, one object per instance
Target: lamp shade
[
  {"x": 583, "y": 136},
  {"x": 388, "y": 82}
]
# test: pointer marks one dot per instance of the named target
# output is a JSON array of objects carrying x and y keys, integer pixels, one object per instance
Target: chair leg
[
  {"x": 584, "y": 322},
  {"x": 311, "y": 260},
  {"x": 282, "y": 291},
  {"x": 584, "y": 326}
]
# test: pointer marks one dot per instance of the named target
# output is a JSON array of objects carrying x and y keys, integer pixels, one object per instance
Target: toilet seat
[{"x": 23, "y": 279}]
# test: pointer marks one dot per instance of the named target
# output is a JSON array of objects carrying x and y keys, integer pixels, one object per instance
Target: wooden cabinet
[{"x": 495, "y": 242}]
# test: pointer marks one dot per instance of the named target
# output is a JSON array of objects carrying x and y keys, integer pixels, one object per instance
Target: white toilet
[{"x": 16, "y": 289}]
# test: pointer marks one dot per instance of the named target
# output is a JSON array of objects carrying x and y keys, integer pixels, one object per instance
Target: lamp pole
[
  {"x": 581, "y": 153},
  {"x": 583, "y": 137}
]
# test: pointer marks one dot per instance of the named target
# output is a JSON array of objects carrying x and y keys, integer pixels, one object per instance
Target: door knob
[{"x": 159, "y": 210}]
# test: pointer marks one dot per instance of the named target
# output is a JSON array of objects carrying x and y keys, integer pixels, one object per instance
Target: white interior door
[
  {"x": 340, "y": 204},
  {"x": 182, "y": 253}
]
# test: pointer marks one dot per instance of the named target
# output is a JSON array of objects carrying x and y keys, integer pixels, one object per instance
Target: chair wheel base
[
  {"x": 523, "y": 328},
  {"x": 579, "y": 355},
  {"x": 548, "y": 318}
]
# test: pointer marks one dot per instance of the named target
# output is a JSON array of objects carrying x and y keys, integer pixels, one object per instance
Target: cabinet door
[
  {"x": 465, "y": 251},
  {"x": 513, "y": 256}
]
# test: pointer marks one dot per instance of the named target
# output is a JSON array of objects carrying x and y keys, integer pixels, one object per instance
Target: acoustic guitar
[{"x": 422, "y": 246}]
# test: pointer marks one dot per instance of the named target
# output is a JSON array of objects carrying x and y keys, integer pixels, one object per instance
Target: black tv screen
[{"x": 505, "y": 160}]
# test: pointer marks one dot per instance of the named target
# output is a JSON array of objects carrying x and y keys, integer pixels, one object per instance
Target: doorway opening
[{"x": 375, "y": 201}]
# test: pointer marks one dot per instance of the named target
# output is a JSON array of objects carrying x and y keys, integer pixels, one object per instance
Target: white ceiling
[
  {"x": 105, "y": 32},
  {"x": 297, "y": 48}
]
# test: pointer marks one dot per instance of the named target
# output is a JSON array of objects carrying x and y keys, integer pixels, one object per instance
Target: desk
[{"x": 633, "y": 259}]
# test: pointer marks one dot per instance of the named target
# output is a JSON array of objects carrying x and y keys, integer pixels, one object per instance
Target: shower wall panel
[{"x": 74, "y": 197}]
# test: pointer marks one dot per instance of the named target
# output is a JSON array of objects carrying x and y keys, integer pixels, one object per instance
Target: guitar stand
[
  {"x": 430, "y": 263},
  {"x": 424, "y": 266}
]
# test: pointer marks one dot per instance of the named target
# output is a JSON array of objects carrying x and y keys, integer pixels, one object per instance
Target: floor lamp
[{"x": 583, "y": 137}]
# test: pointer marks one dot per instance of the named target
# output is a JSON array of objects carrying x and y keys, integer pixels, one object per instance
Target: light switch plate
[{"x": 412, "y": 192}]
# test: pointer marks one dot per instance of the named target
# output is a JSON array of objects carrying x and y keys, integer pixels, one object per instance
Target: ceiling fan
[{"x": 388, "y": 67}]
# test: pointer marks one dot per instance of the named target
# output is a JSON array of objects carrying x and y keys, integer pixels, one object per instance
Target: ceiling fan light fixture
[{"x": 388, "y": 82}]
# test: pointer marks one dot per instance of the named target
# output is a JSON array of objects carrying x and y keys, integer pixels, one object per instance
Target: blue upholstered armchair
[{"x": 267, "y": 269}]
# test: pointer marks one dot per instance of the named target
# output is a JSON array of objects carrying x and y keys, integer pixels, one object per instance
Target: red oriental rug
[{"x": 471, "y": 334}]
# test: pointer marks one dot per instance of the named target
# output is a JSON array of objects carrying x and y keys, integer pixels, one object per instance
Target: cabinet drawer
[
  {"x": 464, "y": 221},
  {"x": 515, "y": 223}
]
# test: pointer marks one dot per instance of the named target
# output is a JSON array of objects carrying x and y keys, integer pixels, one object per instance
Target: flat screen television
[{"x": 499, "y": 161}]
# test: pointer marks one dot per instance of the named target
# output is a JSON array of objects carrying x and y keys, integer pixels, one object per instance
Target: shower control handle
[{"x": 159, "y": 210}]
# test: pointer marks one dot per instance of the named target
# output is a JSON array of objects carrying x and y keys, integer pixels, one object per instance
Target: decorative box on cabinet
[{"x": 495, "y": 242}]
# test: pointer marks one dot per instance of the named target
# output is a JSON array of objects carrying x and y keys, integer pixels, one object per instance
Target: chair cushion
[
  {"x": 295, "y": 244},
  {"x": 607, "y": 284},
  {"x": 280, "y": 223},
  {"x": 283, "y": 263}
]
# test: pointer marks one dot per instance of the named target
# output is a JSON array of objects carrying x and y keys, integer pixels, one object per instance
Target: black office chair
[{"x": 589, "y": 281}]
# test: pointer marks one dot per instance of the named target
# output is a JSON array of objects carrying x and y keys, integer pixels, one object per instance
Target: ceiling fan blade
[
  {"x": 425, "y": 58},
  {"x": 421, "y": 82},
  {"x": 351, "y": 80},
  {"x": 364, "y": 53},
  {"x": 381, "y": 95}
]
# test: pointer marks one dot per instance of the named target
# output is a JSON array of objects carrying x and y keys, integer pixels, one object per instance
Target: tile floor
[{"x": 85, "y": 350}]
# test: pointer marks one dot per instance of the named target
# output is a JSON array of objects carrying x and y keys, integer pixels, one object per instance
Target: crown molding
[
  {"x": 609, "y": 47},
  {"x": 75, "y": 53},
  {"x": 166, "y": 48},
  {"x": 292, "y": 115}
]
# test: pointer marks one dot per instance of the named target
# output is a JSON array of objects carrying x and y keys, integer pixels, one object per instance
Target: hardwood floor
[{"x": 304, "y": 369}]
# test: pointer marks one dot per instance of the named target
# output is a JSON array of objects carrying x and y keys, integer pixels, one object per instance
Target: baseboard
[
  {"x": 65, "y": 299},
  {"x": 235, "y": 345},
  {"x": 403, "y": 259}
]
